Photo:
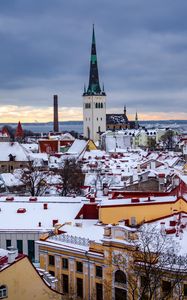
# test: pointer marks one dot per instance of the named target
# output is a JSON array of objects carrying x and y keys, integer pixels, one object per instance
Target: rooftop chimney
[{"x": 55, "y": 124}]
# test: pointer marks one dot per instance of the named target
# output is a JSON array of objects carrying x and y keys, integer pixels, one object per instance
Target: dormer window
[{"x": 12, "y": 157}]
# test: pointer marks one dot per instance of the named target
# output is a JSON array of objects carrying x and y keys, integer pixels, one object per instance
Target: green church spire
[{"x": 94, "y": 86}]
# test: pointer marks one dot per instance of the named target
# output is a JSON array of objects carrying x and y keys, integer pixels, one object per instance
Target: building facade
[
  {"x": 20, "y": 280},
  {"x": 94, "y": 101},
  {"x": 109, "y": 265}
]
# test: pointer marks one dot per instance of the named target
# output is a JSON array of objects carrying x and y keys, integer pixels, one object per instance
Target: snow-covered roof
[
  {"x": 10, "y": 180},
  {"x": 31, "y": 147},
  {"x": 13, "y": 148},
  {"x": 63, "y": 209},
  {"x": 77, "y": 147},
  {"x": 78, "y": 235},
  {"x": 146, "y": 201},
  {"x": 176, "y": 227},
  {"x": 38, "y": 156}
]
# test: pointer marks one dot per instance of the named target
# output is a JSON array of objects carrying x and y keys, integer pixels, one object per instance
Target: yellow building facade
[
  {"x": 20, "y": 281},
  {"x": 140, "y": 211},
  {"x": 104, "y": 270}
]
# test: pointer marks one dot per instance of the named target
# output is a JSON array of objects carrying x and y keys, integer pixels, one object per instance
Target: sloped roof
[{"x": 15, "y": 149}]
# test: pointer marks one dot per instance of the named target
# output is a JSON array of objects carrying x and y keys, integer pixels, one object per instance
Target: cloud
[
  {"x": 13, "y": 113},
  {"x": 141, "y": 46}
]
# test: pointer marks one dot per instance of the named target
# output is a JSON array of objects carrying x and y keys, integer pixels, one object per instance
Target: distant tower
[
  {"x": 94, "y": 100},
  {"x": 136, "y": 121},
  {"x": 55, "y": 105},
  {"x": 125, "y": 111},
  {"x": 19, "y": 134}
]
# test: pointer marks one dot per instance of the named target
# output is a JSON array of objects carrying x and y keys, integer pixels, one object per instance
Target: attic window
[{"x": 12, "y": 157}]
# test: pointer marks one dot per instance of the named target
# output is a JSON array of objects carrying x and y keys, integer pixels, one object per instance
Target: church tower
[{"x": 94, "y": 100}]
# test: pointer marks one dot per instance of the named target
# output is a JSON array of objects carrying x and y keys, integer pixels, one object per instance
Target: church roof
[
  {"x": 19, "y": 131},
  {"x": 116, "y": 119}
]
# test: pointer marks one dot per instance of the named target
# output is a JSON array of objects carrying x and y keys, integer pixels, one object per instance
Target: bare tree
[
  {"x": 168, "y": 139},
  {"x": 72, "y": 177},
  {"x": 35, "y": 181}
]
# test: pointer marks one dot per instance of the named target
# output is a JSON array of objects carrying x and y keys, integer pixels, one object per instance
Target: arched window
[
  {"x": 95, "y": 105},
  {"x": 3, "y": 292},
  {"x": 101, "y": 105},
  {"x": 120, "y": 277},
  {"x": 120, "y": 281}
]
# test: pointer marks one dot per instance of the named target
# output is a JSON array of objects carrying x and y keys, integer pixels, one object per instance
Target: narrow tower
[
  {"x": 94, "y": 100},
  {"x": 136, "y": 121},
  {"x": 19, "y": 134},
  {"x": 55, "y": 105}
]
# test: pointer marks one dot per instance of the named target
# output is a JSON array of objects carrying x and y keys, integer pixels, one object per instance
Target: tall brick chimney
[{"x": 55, "y": 123}]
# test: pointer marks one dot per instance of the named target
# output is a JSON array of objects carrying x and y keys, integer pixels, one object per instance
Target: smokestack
[{"x": 55, "y": 123}]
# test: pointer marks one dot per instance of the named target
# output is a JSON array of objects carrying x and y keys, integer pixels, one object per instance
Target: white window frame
[{"x": 3, "y": 291}]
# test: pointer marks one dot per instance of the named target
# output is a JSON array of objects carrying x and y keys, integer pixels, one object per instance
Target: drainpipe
[{"x": 86, "y": 254}]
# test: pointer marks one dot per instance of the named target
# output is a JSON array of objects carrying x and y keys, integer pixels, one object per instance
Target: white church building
[{"x": 94, "y": 101}]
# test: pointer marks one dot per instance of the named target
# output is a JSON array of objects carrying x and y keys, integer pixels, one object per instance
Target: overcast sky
[{"x": 45, "y": 50}]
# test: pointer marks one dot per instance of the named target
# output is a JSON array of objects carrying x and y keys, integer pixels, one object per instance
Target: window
[
  {"x": 79, "y": 267},
  {"x": 120, "y": 294},
  {"x": 98, "y": 271},
  {"x": 64, "y": 263},
  {"x": 3, "y": 292},
  {"x": 52, "y": 273},
  {"x": 87, "y": 105},
  {"x": 20, "y": 246},
  {"x": 185, "y": 289},
  {"x": 101, "y": 105},
  {"x": 31, "y": 250},
  {"x": 8, "y": 243},
  {"x": 166, "y": 286},
  {"x": 79, "y": 287},
  {"x": 51, "y": 260},
  {"x": 120, "y": 277},
  {"x": 99, "y": 291},
  {"x": 65, "y": 282}
]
